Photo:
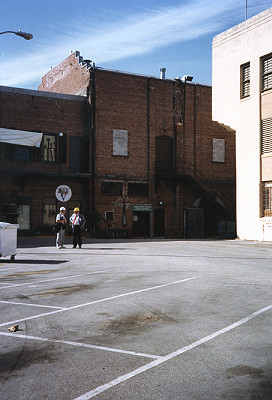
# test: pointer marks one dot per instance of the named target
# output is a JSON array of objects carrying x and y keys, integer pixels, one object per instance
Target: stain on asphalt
[
  {"x": 28, "y": 273},
  {"x": 241, "y": 370},
  {"x": 105, "y": 314},
  {"x": 64, "y": 290},
  {"x": 257, "y": 386},
  {"x": 13, "y": 361},
  {"x": 132, "y": 323}
]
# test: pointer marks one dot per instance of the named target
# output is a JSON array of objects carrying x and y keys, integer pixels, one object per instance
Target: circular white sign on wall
[{"x": 63, "y": 193}]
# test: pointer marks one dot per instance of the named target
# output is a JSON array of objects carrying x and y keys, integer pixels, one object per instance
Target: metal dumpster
[{"x": 8, "y": 240}]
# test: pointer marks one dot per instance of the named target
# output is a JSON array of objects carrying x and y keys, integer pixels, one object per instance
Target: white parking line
[
  {"x": 53, "y": 279},
  {"x": 97, "y": 301},
  {"x": 78, "y": 344},
  {"x": 31, "y": 305},
  {"x": 168, "y": 357}
]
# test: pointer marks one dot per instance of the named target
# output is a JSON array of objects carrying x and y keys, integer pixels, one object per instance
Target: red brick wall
[
  {"x": 125, "y": 101},
  {"x": 67, "y": 77},
  {"x": 47, "y": 113},
  {"x": 31, "y": 111}
]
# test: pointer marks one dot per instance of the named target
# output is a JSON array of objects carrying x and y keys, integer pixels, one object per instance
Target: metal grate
[{"x": 266, "y": 199}]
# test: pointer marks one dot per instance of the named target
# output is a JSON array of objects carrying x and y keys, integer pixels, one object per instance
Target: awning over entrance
[{"x": 22, "y": 138}]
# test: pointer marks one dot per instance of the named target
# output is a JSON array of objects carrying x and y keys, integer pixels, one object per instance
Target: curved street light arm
[{"x": 25, "y": 35}]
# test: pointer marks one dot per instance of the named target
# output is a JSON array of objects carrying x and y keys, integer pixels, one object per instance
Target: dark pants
[{"x": 77, "y": 236}]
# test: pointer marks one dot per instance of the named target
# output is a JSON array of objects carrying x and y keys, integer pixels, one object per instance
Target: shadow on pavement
[{"x": 27, "y": 261}]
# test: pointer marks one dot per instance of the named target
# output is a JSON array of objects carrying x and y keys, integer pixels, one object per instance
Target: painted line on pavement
[
  {"x": 53, "y": 279},
  {"x": 78, "y": 344},
  {"x": 31, "y": 305},
  {"x": 168, "y": 357},
  {"x": 96, "y": 302}
]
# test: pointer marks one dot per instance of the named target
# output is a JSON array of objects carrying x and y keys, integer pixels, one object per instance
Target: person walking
[
  {"x": 78, "y": 222},
  {"x": 61, "y": 221}
]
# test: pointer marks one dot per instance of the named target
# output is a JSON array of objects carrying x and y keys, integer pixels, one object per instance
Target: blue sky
[{"x": 132, "y": 36}]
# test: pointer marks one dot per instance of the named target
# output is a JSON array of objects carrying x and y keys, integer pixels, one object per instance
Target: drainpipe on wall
[
  {"x": 175, "y": 160},
  {"x": 195, "y": 95},
  {"x": 151, "y": 229},
  {"x": 91, "y": 95}
]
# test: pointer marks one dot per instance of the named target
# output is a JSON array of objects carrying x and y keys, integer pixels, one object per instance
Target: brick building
[
  {"x": 153, "y": 163},
  {"x": 29, "y": 175},
  {"x": 160, "y": 165}
]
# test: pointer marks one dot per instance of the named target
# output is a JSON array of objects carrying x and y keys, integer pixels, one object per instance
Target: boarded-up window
[
  {"x": 219, "y": 150},
  {"x": 163, "y": 154},
  {"x": 75, "y": 154},
  {"x": 120, "y": 142}
]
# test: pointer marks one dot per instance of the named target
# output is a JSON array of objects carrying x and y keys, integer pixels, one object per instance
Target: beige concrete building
[{"x": 242, "y": 100}]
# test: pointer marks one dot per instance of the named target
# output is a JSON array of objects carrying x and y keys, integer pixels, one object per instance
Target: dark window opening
[
  {"x": 7, "y": 151},
  {"x": 138, "y": 189},
  {"x": 109, "y": 216},
  {"x": 26, "y": 153},
  {"x": 23, "y": 153},
  {"x": 111, "y": 188}
]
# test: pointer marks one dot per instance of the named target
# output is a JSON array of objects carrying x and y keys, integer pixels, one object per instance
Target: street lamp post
[{"x": 25, "y": 35}]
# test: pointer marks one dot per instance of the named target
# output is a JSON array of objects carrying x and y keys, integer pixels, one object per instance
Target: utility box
[
  {"x": 8, "y": 240},
  {"x": 227, "y": 230}
]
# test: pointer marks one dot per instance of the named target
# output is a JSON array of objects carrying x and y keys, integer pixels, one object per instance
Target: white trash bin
[{"x": 8, "y": 240}]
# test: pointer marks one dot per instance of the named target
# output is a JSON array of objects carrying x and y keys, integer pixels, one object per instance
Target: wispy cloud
[{"x": 125, "y": 37}]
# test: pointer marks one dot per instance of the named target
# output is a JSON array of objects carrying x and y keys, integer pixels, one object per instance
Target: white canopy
[{"x": 23, "y": 138}]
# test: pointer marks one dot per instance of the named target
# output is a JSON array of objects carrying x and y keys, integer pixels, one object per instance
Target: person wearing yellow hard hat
[{"x": 78, "y": 221}]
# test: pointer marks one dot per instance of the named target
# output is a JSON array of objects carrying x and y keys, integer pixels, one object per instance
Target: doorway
[
  {"x": 141, "y": 224},
  {"x": 159, "y": 222}
]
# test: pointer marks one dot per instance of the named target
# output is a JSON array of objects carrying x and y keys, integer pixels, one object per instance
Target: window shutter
[
  {"x": 245, "y": 80},
  {"x": 267, "y": 73},
  {"x": 266, "y": 136}
]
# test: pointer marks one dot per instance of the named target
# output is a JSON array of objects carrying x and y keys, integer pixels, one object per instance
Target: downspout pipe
[
  {"x": 91, "y": 94},
  {"x": 195, "y": 120},
  {"x": 175, "y": 159}
]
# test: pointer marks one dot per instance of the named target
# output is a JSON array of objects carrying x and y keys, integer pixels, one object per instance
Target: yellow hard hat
[{"x": 76, "y": 209}]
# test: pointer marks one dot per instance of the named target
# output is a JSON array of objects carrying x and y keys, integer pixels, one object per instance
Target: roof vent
[{"x": 163, "y": 73}]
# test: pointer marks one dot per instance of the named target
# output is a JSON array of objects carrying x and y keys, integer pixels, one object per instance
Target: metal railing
[{"x": 189, "y": 172}]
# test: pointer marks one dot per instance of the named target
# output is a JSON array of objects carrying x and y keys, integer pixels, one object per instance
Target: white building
[{"x": 242, "y": 99}]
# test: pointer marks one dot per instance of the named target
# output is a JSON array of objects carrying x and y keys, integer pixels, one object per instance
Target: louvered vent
[
  {"x": 246, "y": 80},
  {"x": 267, "y": 73},
  {"x": 267, "y": 135}
]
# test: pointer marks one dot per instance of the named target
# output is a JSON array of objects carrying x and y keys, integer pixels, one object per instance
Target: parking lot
[{"x": 134, "y": 319}]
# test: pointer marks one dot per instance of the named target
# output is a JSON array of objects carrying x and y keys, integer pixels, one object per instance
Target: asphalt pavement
[{"x": 136, "y": 319}]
